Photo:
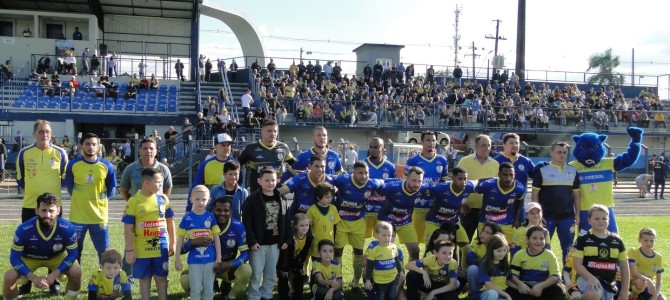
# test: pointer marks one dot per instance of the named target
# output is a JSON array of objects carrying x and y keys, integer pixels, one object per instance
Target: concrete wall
[
  {"x": 370, "y": 54},
  {"x": 156, "y": 32}
]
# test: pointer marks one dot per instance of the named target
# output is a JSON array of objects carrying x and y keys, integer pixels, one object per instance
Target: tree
[{"x": 605, "y": 63}]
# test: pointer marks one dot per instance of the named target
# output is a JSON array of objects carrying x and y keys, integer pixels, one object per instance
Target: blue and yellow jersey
[
  {"x": 194, "y": 226},
  {"x": 40, "y": 171},
  {"x": 475, "y": 254},
  {"x": 90, "y": 184},
  {"x": 595, "y": 183},
  {"x": 149, "y": 215},
  {"x": 303, "y": 189},
  {"x": 384, "y": 170},
  {"x": 650, "y": 266},
  {"x": 498, "y": 278},
  {"x": 351, "y": 197},
  {"x": 496, "y": 204},
  {"x": 435, "y": 171},
  {"x": 534, "y": 268},
  {"x": 31, "y": 242},
  {"x": 233, "y": 238},
  {"x": 322, "y": 224},
  {"x": 110, "y": 288},
  {"x": 523, "y": 167},
  {"x": 437, "y": 272},
  {"x": 399, "y": 203},
  {"x": 477, "y": 170},
  {"x": 329, "y": 272},
  {"x": 333, "y": 163},
  {"x": 210, "y": 172},
  {"x": 385, "y": 268},
  {"x": 447, "y": 205}
]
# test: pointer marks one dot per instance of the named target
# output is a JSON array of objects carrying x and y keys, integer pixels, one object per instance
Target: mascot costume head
[{"x": 590, "y": 149}]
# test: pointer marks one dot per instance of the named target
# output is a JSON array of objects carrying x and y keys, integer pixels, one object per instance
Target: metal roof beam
[{"x": 96, "y": 9}]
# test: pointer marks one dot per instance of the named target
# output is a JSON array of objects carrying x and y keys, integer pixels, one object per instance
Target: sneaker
[
  {"x": 54, "y": 289},
  {"x": 25, "y": 289}
]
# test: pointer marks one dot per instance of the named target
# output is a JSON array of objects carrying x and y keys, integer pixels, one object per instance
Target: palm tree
[{"x": 605, "y": 63}]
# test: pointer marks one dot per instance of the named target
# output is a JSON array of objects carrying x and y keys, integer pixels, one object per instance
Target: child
[
  {"x": 570, "y": 276},
  {"x": 535, "y": 269},
  {"x": 474, "y": 256},
  {"x": 292, "y": 258},
  {"x": 596, "y": 271},
  {"x": 533, "y": 218},
  {"x": 323, "y": 216},
  {"x": 200, "y": 223},
  {"x": 446, "y": 233},
  {"x": 109, "y": 282},
  {"x": 400, "y": 287},
  {"x": 383, "y": 267},
  {"x": 642, "y": 181},
  {"x": 264, "y": 221},
  {"x": 646, "y": 267},
  {"x": 149, "y": 234},
  {"x": 327, "y": 274},
  {"x": 435, "y": 274},
  {"x": 494, "y": 269}
]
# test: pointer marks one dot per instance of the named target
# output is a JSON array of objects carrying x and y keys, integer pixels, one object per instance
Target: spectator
[
  {"x": 99, "y": 89},
  {"x": 179, "y": 70},
  {"x": 247, "y": 100},
  {"x": 186, "y": 129},
  {"x": 76, "y": 35},
  {"x": 458, "y": 74},
  {"x": 170, "y": 143},
  {"x": 73, "y": 153},
  {"x": 131, "y": 91},
  {"x": 208, "y": 70},
  {"x": 111, "y": 66},
  {"x": 27, "y": 32},
  {"x": 145, "y": 83},
  {"x": 350, "y": 157},
  {"x": 233, "y": 71},
  {"x": 3, "y": 160},
  {"x": 641, "y": 181},
  {"x": 95, "y": 65},
  {"x": 221, "y": 66},
  {"x": 44, "y": 64},
  {"x": 271, "y": 69},
  {"x": 660, "y": 168},
  {"x": 201, "y": 67},
  {"x": 154, "y": 82},
  {"x": 659, "y": 119},
  {"x": 142, "y": 66},
  {"x": 73, "y": 86}
]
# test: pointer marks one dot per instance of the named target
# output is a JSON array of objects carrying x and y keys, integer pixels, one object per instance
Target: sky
[{"x": 560, "y": 35}]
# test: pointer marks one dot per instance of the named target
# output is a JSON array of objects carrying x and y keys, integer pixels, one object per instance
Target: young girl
[
  {"x": 292, "y": 258},
  {"x": 535, "y": 269},
  {"x": 435, "y": 274},
  {"x": 533, "y": 218},
  {"x": 384, "y": 267},
  {"x": 646, "y": 267},
  {"x": 494, "y": 269},
  {"x": 200, "y": 223},
  {"x": 474, "y": 256}
]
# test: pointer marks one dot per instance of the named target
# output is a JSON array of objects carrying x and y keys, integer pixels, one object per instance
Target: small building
[{"x": 373, "y": 53}]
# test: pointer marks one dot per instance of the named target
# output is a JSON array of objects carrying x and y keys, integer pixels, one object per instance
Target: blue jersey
[
  {"x": 447, "y": 206},
  {"x": 195, "y": 226},
  {"x": 302, "y": 188},
  {"x": 31, "y": 242},
  {"x": 333, "y": 163},
  {"x": 435, "y": 171},
  {"x": 523, "y": 167},
  {"x": 399, "y": 204},
  {"x": 351, "y": 197},
  {"x": 496, "y": 204},
  {"x": 384, "y": 170},
  {"x": 233, "y": 238}
]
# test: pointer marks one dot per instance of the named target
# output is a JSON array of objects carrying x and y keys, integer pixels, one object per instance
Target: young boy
[
  {"x": 149, "y": 234},
  {"x": 597, "y": 255},
  {"x": 646, "y": 267},
  {"x": 323, "y": 216},
  {"x": 200, "y": 223},
  {"x": 435, "y": 275},
  {"x": 265, "y": 222},
  {"x": 230, "y": 188},
  {"x": 384, "y": 267},
  {"x": 110, "y": 282},
  {"x": 327, "y": 273}
]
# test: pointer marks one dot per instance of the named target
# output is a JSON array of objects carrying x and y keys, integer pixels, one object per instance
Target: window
[{"x": 6, "y": 28}]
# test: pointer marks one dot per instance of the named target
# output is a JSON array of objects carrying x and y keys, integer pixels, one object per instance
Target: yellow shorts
[
  {"x": 51, "y": 264},
  {"x": 350, "y": 233},
  {"x": 406, "y": 234},
  {"x": 508, "y": 231},
  {"x": 419, "y": 221},
  {"x": 461, "y": 235},
  {"x": 370, "y": 223}
]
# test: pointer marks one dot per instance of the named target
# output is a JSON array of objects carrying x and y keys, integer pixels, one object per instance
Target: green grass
[{"x": 629, "y": 228}]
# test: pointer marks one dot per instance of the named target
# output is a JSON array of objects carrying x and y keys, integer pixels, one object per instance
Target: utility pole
[
  {"x": 496, "y": 37},
  {"x": 474, "y": 56},
  {"x": 457, "y": 36},
  {"x": 521, "y": 40}
]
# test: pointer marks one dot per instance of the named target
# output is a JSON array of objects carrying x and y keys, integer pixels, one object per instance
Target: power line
[{"x": 329, "y": 41}]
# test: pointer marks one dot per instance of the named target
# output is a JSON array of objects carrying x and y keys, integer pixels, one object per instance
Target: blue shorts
[
  {"x": 148, "y": 267},
  {"x": 99, "y": 236},
  {"x": 584, "y": 225}
]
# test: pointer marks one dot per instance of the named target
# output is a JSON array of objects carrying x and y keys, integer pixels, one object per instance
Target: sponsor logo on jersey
[
  {"x": 599, "y": 265},
  {"x": 152, "y": 224}
]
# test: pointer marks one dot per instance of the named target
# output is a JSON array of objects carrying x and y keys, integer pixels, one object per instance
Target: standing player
[
  {"x": 91, "y": 181},
  {"x": 46, "y": 240},
  {"x": 478, "y": 166},
  {"x": 435, "y": 169},
  {"x": 320, "y": 138},
  {"x": 449, "y": 197},
  {"x": 209, "y": 172},
  {"x": 379, "y": 168},
  {"x": 501, "y": 200},
  {"x": 523, "y": 167},
  {"x": 303, "y": 186},
  {"x": 397, "y": 210},
  {"x": 266, "y": 152},
  {"x": 353, "y": 191}
]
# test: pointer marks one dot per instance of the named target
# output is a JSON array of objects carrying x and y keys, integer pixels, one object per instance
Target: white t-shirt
[
  {"x": 350, "y": 157},
  {"x": 247, "y": 100}
]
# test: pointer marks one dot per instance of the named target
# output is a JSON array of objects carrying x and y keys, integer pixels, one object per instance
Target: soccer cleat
[
  {"x": 54, "y": 289},
  {"x": 25, "y": 289}
]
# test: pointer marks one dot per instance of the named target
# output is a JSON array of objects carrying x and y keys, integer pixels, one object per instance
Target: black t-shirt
[
  {"x": 272, "y": 214},
  {"x": 601, "y": 256},
  {"x": 230, "y": 195}
]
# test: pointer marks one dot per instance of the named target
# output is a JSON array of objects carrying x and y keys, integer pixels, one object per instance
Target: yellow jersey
[
  {"x": 109, "y": 287},
  {"x": 40, "y": 171},
  {"x": 322, "y": 225},
  {"x": 90, "y": 184},
  {"x": 477, "y": 170},
  {"x": 150, "y": 216}
]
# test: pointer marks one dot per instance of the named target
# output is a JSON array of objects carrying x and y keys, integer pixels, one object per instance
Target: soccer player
[
  {"x": 131, "y": 178},
  {"x": 523, "y": 166},
  {"x": 556, "y": 188},
  {"x": 91, "y": 181},
  {"x": 478, "y": 166},
  {"x": 320, "y": 138},
  {"x": 399, "y": 205},
  {"x": 149, "y": 234},
  {"x": 45, "y": 240},
  {"x": 502, "y": 200},
  {"x": 266, "y": 152},
  {"x": 379, "y": 168},
  {"x": 303, "y": 185},
  {"x": 209, "y": 172},
  {"x": 449, "y": 197},
  {"x": 353, "y": 192},
  {"x": 230, "y": 190},
  {"x": 435, "y": 169}
]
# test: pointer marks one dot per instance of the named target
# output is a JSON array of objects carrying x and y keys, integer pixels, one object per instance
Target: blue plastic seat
[{"x": 118, "y": 105}]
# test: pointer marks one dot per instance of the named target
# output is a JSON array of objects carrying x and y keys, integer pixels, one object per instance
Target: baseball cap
[
  {"x": 532, "y": 205},
  {"x": 222, "y": 138}
]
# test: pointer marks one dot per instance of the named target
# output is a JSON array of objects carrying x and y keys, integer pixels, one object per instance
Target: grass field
[{"x": 629, "y": 228}]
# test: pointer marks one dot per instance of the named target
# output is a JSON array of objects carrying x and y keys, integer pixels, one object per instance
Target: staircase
[
  {"x": 237, "y": 90},
  {"x": 11, "y": 90}
]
